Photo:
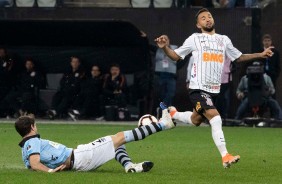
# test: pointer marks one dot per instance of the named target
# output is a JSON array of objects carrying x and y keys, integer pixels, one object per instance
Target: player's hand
[
  {"x": 240, "y": 96},
  {"x": 117, "y": 91},
  {"x": 162, "y": 41},
  {"x": 59, "y": 168},
  {"x": 267, "y": 52}
]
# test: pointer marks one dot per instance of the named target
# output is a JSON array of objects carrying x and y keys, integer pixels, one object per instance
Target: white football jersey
[{"x": 208, "y": 52}]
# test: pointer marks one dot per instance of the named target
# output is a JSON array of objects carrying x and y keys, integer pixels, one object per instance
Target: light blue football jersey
[{"x": 52, "y": 154}]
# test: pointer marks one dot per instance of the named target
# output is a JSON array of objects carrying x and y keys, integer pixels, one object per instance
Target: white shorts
[{"x": 94, "y": 154}]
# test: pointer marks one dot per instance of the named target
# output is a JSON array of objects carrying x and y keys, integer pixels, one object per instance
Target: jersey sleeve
[
  {"x": 231, "y": 52},
  {"x": 32, "y": 147},
  {"x": 186, "y": 48}
]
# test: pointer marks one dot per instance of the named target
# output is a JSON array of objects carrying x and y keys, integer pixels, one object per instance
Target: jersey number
[
  {"x": 54, "y": 144},
  {"x": 98, "y": 141}
]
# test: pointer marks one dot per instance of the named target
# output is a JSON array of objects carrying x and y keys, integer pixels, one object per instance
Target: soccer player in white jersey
[
  {"x": 208, "y": 51},
  {"x": 45, "y": 155}
]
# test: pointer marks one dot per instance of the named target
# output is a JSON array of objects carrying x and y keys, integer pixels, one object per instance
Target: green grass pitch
[{"x": 182, "y": 155}]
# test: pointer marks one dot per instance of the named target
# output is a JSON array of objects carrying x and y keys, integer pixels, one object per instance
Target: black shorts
[{"x": 202, "y": 100}]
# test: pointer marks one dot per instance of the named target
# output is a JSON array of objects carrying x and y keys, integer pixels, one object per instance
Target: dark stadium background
[{"x": 39, "y": 30}]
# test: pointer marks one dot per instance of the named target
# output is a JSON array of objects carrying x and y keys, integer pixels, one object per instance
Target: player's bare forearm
[
  {"x": 171, "y": 54},
  {"x": 38, "y": 166},
  {"x": 249, "y": 57}
]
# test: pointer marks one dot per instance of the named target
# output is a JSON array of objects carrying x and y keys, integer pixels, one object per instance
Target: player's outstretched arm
[
  {"x": 162, "y": 43},
  {"x": 247, "y": 57},
  {"x": 38, "y": 166}
]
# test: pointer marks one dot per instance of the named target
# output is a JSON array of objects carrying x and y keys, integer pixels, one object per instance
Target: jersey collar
[
  {"x": 209, "y": 34},
  {"x": 21, "y": 144}
]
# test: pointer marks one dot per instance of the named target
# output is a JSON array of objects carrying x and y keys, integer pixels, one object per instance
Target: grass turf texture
[{"x": 182, "y": 155}]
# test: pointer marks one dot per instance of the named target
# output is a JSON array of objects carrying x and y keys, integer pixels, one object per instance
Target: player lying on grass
[{"x": 44, "y": 155}]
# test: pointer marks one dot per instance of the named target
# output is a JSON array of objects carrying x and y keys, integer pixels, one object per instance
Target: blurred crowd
[
  {"x": 82, "y": 94},
  {"x": 140, "y": 3}
]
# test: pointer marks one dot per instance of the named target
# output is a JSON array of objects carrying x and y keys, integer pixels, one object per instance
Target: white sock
[
  {"x": 184, "y": 117},
  {"x": 217, "y": 135}
]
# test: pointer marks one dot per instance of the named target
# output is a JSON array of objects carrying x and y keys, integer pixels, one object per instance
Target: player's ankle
[
  {"x": 172, "y": 113},
  {"x": 126, "y": 167},
  {"x": 172, "y": 110},
  {"x": 224, "y": 154}
]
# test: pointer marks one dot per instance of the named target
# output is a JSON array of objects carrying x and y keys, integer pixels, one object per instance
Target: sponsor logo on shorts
[
  {"x": 198, "y": 106},
  {"x": 209, "y": 102},
  {"x": 208, "y": 98},
  {"x": 98, "y": 141}
]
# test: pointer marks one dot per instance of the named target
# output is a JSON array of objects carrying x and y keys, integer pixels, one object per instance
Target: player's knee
[
  {"x": 118, "y": 139},
  {"x": 196, "y": 119},
  {"x": 211, "y": 113},
  {"x": 196, "y": 123}
]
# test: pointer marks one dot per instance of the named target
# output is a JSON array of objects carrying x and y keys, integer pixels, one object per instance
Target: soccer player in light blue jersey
[{"x": 45, "y": 155}]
